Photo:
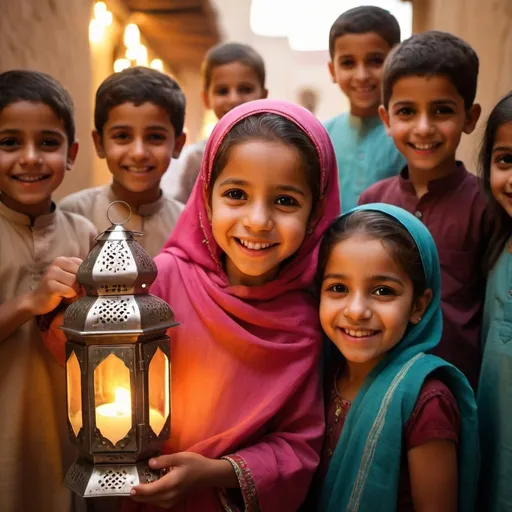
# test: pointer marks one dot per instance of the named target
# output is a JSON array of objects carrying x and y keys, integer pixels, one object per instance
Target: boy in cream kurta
[
  {"x": 36, "y": 148},
  {"x": 138, "y": 117},
  {"x": 155, "y": 220},
  {"x": 35, "y": 452}
]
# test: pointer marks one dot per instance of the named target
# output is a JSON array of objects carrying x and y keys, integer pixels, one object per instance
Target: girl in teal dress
[
  {"x": 495, "y": 386},
  {"x": 402, "y": 431}
]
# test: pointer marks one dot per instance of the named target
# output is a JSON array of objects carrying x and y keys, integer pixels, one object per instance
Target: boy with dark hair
[
  {"x": 232, "y": 74},
  {"x": 138, "y": 117},
  {"x": 37, "y": 147},
  {"x": 429, "y": 86},
  {"x": 359, "y": 42}
]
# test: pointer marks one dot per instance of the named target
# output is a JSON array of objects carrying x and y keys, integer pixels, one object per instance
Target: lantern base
[{"x": 89, "y": 480}]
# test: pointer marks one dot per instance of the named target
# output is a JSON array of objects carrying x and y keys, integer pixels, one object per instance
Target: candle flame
[
  {"x": 123, "y": 400},
  {"x": 121, "y": 406}
]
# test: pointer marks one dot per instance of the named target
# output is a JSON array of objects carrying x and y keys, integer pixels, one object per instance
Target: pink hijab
[{"x": 245, "y": 359}]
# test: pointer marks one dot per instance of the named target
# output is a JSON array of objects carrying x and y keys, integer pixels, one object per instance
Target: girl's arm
[
  {"x": 433, "y": 471},
  {"x": 431, "y": 437},
  {"x": 274, "y": 474},
  {"x": 185, "y": 472}
]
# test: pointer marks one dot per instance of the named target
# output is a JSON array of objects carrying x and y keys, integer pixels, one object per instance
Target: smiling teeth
[
  {"x": 139, "y": 169},
  {"x": 359, "y": 334},
  {"x": 424, "y": 146},
  {"x": 30, "y": 179},
  {"x": 254, "y": 246}
]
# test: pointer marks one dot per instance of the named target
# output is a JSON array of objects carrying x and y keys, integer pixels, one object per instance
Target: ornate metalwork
[{"x": 114, "y": 332}]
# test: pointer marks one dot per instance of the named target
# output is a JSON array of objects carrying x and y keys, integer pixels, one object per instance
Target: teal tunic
[
  {"x": 364, "y": 153},
  {"x": 364, "y": 471},
  {"x": 495, "y": 390}
]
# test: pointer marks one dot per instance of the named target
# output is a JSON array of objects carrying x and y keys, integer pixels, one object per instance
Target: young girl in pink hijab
[
  {"x": 247, "y": 415},
  {"x": 247, "y": 418}
]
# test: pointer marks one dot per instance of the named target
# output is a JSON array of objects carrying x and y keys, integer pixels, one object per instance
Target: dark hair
[
  {"x": 380, "y": 226},
  {"x": 433, "y": 53},
  {"x": 500, "y": 115},
  {"x": 366, "y": 18},
  {"x": 232, "y": 52},
  {"x": 271, "y": 127},
  {"x": 37, "y": 87},
  {"x": 139, "y": 85}
]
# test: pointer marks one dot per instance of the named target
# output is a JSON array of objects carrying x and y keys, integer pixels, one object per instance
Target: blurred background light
[
  {"x": 157, "y": 64},
  {"x": 306, "y": 23},
  {"x": 102, "y": 19}
]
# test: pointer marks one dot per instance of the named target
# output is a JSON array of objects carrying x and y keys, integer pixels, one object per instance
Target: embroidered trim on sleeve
[{"x": 247, "y": 485}]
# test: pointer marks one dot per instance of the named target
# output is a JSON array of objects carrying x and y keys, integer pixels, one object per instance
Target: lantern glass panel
[
  {"x": 158, "y": 391},
  {"x": 74, "y": 391},
  {"x": 112, "y": 398}
]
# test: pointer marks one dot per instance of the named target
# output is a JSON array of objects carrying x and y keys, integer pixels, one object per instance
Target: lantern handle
[{"x": 129, "y": 213}]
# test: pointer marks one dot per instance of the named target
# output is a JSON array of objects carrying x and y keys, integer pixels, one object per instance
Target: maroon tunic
[
  {"x": 435, "y": 417},
  {"x": 454, "y": 211}
]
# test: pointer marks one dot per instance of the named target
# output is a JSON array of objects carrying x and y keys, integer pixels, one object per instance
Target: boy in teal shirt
[{"x": 359, "y": 41}]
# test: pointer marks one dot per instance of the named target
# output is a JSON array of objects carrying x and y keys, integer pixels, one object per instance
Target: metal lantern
[{"x": 117, "y": 368}]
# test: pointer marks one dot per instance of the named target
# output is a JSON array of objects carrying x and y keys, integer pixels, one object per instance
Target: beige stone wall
[
  {"x": 487, "y": 26},
  {"x": 52, "y": 36}
]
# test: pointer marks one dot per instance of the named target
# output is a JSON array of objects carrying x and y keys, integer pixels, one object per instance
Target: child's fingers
[
  {"x": 61, "y": 290},
  {"x": 77, "y": 261},
  {"x": 67, "y": 264},
  {"x": 164, "y": 461},
  {"x": 60, "y": 275},
  {"x": 154, "y": 490}
]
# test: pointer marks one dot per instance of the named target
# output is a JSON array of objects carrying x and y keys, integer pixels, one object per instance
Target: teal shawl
[{"x": 364, "y": 471}]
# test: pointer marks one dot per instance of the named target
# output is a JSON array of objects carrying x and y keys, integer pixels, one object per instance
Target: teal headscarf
[{"x": 364, "y": 471}]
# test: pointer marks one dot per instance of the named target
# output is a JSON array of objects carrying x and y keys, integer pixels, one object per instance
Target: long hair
[{"x": 500, "y": 115}]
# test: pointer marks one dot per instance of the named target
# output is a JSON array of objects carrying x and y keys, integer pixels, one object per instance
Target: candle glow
[{"x": 114, "y": 419}]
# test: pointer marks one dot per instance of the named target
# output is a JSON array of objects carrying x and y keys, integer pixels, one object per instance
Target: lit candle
[{"x": 114, "y": 419}]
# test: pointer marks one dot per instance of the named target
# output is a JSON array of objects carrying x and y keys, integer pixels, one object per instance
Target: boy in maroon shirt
[{"x": 429, "y": 86}]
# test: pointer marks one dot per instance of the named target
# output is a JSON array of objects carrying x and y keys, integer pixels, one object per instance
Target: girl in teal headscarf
[
  {"x": 409, "y": 438},
  {"x": 495, "y": 386}
]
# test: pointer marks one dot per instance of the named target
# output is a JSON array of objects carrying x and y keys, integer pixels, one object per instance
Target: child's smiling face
[
  {"x": 501, "y": 167},
  {"x": 231, "y": 85},
  {"x": 259, "y": 208},
  {"x": 138, "y": 142},
  {"x": 367, "y": 300},
  {"x": 356, "y": 67},
  {"x": 426, "y": 118},
  {"x": 34, "y": 156}
]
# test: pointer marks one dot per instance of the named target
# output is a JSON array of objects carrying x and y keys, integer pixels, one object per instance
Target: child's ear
[
  {"x": 330, "y": 65},
  {"x": 206, "y": 100},
  {"x": 178, "y": 145},
  {"x": 472, "y": 116},
  {"x": 264, "y": 96},
  {"x": 72, "y": 152},
  {"x": 98, "y": 144},
  {"x": 420, "y": 306},
  {"x": 207, "y": 203},
  {"x": 384, "y": 115}
]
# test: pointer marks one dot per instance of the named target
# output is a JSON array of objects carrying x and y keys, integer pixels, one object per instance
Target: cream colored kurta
[
  {"x": 35, "y": 450},
  {"x": 155, "y": 220}
]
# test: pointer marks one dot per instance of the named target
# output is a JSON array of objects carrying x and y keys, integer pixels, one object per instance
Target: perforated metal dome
[{"x": 116, "y": 276}]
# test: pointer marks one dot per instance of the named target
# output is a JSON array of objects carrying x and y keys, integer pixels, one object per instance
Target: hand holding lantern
[
  {"x": 59, "y": 282},
  {"x": 186, "y": 471},
  {"x": 117, "y": 368}
]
